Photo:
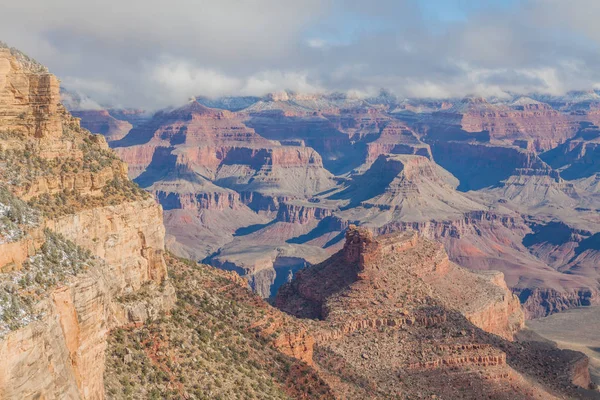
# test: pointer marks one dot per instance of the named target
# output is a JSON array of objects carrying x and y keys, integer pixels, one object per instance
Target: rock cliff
[
  {"x": 523, "y": 119},
  {"x": 100, "y": 121},
  {"x": 483, "y": 298},
  {"x": 85, "y": 241}
]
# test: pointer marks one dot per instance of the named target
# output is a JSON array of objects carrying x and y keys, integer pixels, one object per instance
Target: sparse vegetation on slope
[
  {"x": 91, "y": 176},
  {"x": 15, "y": 215},
  {"x": 117, "y": 191},
  {"x": 207, "y": 348},
  {"x": 57, "y": 261},
  {"x": 24, "y": 166}
]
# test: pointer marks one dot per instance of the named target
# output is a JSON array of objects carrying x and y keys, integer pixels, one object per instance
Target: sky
[{"x": 154, "y": 53}]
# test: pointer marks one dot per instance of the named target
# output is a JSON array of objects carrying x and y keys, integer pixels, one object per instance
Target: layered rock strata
[
  {"x": 395, "y": 313},
  {"x": 59, "y": 321}
]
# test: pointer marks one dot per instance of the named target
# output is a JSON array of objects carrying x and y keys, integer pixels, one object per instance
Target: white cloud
[
  {"x": 426, "y": 89},
  {"x": 181, "y": 80},
  {"x": 98, "y": 87},
  {"x": 273, "y": 81},
  {"x": 151, "y": 53},
  {"x": 317, "y": 43}
]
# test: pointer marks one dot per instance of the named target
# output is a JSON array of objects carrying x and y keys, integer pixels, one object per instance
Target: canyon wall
[{"x": 88, "y": 207}]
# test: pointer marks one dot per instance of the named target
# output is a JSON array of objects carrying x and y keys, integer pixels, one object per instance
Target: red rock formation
[
  {"x": 100, "y": 121},
  {"x": 539, "y": 122},
  {"x": 392, "y": 305},
  {"x": 396, "y": 139},
  {"x": 365, "y": 258}
]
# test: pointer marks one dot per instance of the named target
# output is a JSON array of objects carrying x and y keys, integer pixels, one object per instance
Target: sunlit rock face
[{"x": 85, "y": 242}]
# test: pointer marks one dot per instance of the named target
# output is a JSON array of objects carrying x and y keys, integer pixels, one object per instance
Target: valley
[
  {"x": 283, "y": 176},
  {"x": 345, "y": 260}
]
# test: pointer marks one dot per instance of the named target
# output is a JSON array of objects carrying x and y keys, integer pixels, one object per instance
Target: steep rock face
[
  {"x": 56, "y": 350},
  {"x": 478, "y": 165},
  {"x": 538, "y": 122},
  {"x": 138, "y": 158},
  {"x": 28, "y": 97},
  {"x": 14, "y": 253},
  {"x": 578, "y": 157},
  {"x": 541, "y": 302},
  {"x": 129, "y": 237},
  {"x": 84, "y": 183},
  {"x": 186, "y": 195},
  {"x": 396, "y": 139},
  {"x": 61, "y": 354},
  {"x": 302, "y": 213},
  {"x": 102, "y": 122}
]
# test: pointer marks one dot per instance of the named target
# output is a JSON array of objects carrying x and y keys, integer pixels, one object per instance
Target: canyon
[
  {"x": 385, "y": 317},
  {"x": 378, "y": 267},
  {"x": 248, "y": 184}
]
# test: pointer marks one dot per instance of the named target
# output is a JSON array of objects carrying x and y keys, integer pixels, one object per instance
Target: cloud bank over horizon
[{"x": 153, "y": 54}]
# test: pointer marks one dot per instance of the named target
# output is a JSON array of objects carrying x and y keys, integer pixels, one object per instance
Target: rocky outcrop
[
  {"x": 396, "y": 303},
  {"x": 580, "y": 373},
  {"x": 83, "y": 183},
  {"x": 296, "y": 213},
  {"x": 185, "y": 196},
  {"x": 396, "y": 139},
  {"x": 536, "y": 121},
  {"x": 366, "y": 258},
  {"x": 30, "y": 101},
  {"x": 129, "y": 237},
  {"x": 63, "y": 354},
  {"x": 540, "y": 302},
  {"x": 138, "y": 158},
  {"x": 14, "y": 253}
]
